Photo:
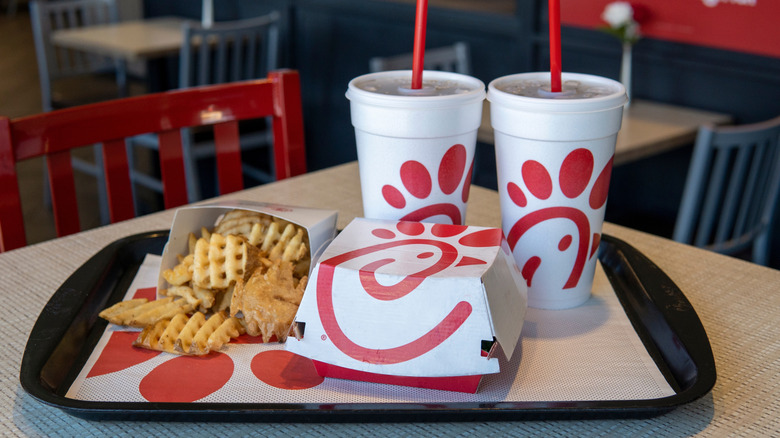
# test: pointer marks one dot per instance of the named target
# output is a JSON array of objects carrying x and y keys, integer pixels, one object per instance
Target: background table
[
  {"x": 132, "y": 40},
  {"x": 736, "y": 301},
  {"x": 648, "y": 128}
]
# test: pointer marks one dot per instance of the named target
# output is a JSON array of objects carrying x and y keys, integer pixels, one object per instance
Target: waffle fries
[
  {"x": 243, "y": 223},
  {"x": 193, "y": 335},
  {"x": 142, "y": 312},
  {"x": 268, "y": 301},
  {"x": 221, "y": 260},
  {"x": 247, "y": 274}
]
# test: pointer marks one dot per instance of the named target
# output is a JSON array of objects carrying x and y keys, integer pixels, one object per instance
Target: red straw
[
  {"x": 419, "y": 43},
  {"x": 554, "y": 7}
]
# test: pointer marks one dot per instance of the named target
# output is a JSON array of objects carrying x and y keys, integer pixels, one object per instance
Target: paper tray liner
[
  {"x": 587, "y": 353},
  {"x": 68, "y": 337}
]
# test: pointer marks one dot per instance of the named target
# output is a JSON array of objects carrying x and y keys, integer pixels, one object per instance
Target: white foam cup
[
  {"x": 416, "y": 147},
  {"x": 554, "y": 156}
]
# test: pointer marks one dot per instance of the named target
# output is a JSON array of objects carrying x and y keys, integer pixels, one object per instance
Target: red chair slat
[
  {"x": 11, "y": 220},
  {"x": 120, "y": 192},
  {"x": 54, "y": 134},
  {"x": 63, "y": 193},
  {"x": 172, "y": 168},
  {"x": 289, "y": 146},
  {"x": 228, "y": 146}
]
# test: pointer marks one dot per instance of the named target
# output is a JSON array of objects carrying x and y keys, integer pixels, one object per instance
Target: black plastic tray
[{"x": 68, "y": 329}]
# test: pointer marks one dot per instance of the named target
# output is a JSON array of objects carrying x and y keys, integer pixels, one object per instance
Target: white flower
[{"x": 618, "y": 14}]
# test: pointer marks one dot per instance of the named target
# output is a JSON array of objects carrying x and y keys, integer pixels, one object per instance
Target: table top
[
  {"x": 648, "y": 128},
  {"x": 736, "y": 301},
  {"x": 131, "y": 40}
]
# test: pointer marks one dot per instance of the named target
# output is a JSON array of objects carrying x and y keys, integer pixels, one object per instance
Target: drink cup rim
[
  {"x": 358, "y": 95},
  {"x": 601, "y": 103}
]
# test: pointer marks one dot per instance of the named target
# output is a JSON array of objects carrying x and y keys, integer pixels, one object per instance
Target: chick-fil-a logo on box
[{"x": 388, "y": 279}]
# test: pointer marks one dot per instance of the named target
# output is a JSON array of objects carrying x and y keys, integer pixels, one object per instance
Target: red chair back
[{"x": 54, "y": 134}]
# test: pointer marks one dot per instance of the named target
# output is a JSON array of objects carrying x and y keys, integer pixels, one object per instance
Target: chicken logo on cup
[
  {"x": 575, "y": 177},
  {"x": 442, "y": 251},
  {"x": 445, "y": 201}
]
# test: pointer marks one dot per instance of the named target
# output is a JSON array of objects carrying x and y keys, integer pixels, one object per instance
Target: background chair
[
  {"x": 455, "y": 58},
  {"x": 57, "y": 64},
  {"x": 63, "y": 73},
  {"x": 55, "y": 134},
  {"x": 226, "y": 51},
  {"x": 732, "y": 189}
]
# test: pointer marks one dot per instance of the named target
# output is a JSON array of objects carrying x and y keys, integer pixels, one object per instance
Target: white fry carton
[
  {"x": 411, "y": 303},
  {"x": 320, "y": 225}
]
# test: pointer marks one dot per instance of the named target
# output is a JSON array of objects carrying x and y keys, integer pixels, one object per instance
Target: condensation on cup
[
  {"x": 416, "y": 147},
  {"x": 554, "y": 154}
]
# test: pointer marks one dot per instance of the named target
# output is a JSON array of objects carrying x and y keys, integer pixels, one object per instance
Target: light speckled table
[
  {"x": 131, "y": 40},
  {"x": 736, "y": 301}
]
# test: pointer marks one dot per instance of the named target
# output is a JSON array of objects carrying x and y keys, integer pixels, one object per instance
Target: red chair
[{"x": 54, "y": 134}]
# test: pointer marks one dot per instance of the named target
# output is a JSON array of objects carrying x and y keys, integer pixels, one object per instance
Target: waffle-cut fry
[
  {"x": 292, "y": 247},
  {"x": 131, "y": 314},
  {"x": 241, "y": 223},
  {"x": 154, "y": 311},
  {"x": 271, "y": 317},
  {"x": 222, "y": 299},
  {"x": 111, "y": 314},
  {"x": 272, "y": 235},
  {"x": 277, "y": 250},
  {"x": 206, "y": 297},
  {"x": 185, "y": 292},
  {"x": 255, "y": 236},
  {"x": 193, "y": 335},
  {"x": 222, "y": 260},
  {"x": 296, "y": 249},
  {"x": 230, "y": 328},
  {"x": 200, "y": 342},
  {"x": 184, "y": 342},
  {"x": 171, "y": 333},
  {"x": 149, "y": 337},
  {"x": 191, "y": 240},
  {"x": 198, "y": 297},
  {"x": 162, "y": 335},
  {"x": 268, "y": 301},
  {"x": 181, "y": 273}
]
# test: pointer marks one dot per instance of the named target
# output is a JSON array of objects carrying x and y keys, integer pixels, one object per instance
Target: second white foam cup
[
  {"x": 416, "y": 149},
  {"x": 554, "y": 161}
]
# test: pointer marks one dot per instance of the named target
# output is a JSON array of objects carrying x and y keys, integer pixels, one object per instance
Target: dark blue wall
[{"x": 331, "y": 42}]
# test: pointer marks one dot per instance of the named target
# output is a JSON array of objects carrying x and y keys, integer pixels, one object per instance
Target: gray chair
[
  {"x": 732, "y": 190},
  {"x": 225, "y": 52},
  {"x": 455, "y": 58},
  {"x": 58, "y": 67}
]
